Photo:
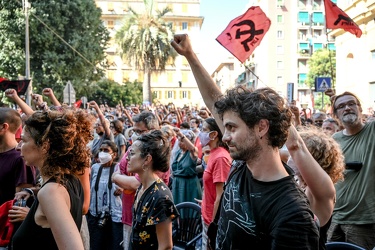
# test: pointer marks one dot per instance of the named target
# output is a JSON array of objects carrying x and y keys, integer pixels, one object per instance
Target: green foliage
[
  {"x": 321, "y": 64},
  {"x": 110, "y": 92},
  {"x": 52, "y": 62},
  {"x": 144, "y": 40}
]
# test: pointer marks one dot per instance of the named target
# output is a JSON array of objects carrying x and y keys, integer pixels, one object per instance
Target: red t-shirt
[{"x": 218, "y": 167}]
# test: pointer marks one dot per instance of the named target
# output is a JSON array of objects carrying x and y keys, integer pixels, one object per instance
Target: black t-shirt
[
  {"x": 265, "y": 215},
  {"x": 32, "y": 236}
]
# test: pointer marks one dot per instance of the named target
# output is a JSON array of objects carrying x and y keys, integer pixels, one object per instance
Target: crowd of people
[{"x": 110, "y": 177}]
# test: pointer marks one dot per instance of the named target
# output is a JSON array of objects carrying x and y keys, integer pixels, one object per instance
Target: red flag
[
  {"x": 78, "y": 103},
  {"x": 336, "y": 18},
  {"x": 19, "y": 85},
  {"x": 244, "y": 33}
]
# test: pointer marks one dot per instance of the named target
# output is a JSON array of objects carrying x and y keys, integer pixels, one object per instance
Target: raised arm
[
  {"x": 101, "y": 117},
  {"x": 320, "y": 188},
  {"x": 209, "y": 90},
  {"x": 49, "y": 93},
  {"x": 12, "y": 94}
]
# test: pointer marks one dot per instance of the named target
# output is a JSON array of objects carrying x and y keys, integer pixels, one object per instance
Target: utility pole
[{"x": 26, "y": 7}]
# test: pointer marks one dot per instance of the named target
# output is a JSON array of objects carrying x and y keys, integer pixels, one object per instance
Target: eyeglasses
[
  {"x": 139, "y": 132},
  {"x": 104, "y": 150},
  {"x": 350, "y": 104}
]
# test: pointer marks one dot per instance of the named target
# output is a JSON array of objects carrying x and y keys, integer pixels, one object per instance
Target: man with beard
[
  {"x": 261, "y": 207},
  {"x": 354, "y": 213}
]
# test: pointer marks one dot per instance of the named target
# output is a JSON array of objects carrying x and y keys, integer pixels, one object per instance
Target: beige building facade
[
  {"x": 176, "y": 84},
  {"x": 355, "y": 57}
]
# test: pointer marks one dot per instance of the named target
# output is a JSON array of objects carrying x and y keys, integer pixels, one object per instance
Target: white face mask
[{"x": 104, "y": 157}]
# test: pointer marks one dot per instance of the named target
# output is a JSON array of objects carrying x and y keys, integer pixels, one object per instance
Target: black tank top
[{"x": 32, "y": 236}]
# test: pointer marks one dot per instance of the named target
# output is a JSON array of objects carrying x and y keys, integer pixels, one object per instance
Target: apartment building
[
  {"x": 176, "y": 84},
  {"x": 281, "y": 60},
  {"x": 355, "y": 57}
]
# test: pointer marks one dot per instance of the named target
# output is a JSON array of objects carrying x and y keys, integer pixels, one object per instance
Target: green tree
[
  {"x": 321, "y": 64},
  {"x": 54, "y": 62},
  {"x": 112, "y": 93},
  {"x": 144, "y": 40}
]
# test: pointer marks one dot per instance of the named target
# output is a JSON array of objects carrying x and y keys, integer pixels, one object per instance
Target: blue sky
[{"x": 217, "y": 15}]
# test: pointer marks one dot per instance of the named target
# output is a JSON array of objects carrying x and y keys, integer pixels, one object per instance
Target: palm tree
[{"x": 144, "y": 42}]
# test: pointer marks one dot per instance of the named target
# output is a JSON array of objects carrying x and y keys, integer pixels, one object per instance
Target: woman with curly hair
[
  {"x": 318, "y": 163},
  {"x": 56, "y": 143}
]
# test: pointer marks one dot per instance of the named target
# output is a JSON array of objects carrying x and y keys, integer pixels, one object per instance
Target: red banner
[
  {"x": 336, "y": 18},
  {"x": 244, "y": 33}
]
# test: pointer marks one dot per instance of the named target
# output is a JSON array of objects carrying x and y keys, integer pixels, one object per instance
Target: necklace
[{"x": 141, "y": 192}]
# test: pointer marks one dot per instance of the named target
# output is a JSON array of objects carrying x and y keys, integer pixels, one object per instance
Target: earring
[{"x": 144, "y": 168}]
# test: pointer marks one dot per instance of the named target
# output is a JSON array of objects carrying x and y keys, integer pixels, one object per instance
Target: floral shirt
[{"x": 154, "y": 206}]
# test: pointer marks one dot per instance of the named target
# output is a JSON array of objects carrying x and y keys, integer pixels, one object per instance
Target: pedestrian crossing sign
[{"x": 322, "y": 84}]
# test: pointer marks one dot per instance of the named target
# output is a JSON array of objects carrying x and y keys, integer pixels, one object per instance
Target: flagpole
[{"x": 27, "y": 52}]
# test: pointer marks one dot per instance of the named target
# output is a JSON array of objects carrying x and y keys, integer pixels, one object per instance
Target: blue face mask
[{"x": 204, "y": 138}]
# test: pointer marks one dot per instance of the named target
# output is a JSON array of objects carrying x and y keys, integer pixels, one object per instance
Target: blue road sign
[{"x": 322, "y": 84}]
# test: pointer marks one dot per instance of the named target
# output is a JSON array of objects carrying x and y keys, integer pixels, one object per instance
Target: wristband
[{"x": 29, "y": 190}]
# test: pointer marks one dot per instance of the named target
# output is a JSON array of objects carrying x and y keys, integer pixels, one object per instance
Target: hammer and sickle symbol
[
  {"x": 344, "y": 18},
  {"x": 250, "y": 31}
]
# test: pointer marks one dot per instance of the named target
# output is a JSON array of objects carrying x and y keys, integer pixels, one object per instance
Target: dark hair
[
  {"x": 67, "y": 132},
  {"x": 332, "y": 120},
  {"x": 156, "y": 144},
  {"x": 341, "y": 95},
  {"x": 197, "y": 121},
  {"x": 113, "y": 147},
  {"x": 118, "y": 125},
  {"x": 148, "y": 118},
  {"x": 12, "y": 117},
  {"x": 212, "y": 125},
  {"x": 252, "y": 106},
  {"x": 184, "y": 125}
]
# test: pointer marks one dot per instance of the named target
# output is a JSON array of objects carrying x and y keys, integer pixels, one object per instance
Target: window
[
  {"x": 170, "y": 77},
  {"x": 185, "y": 76},
  {"x": 280, "y": 80},
  {"x": 110, "y": 24},
  {"x": 111, "y": 75},
  {"x": 184, "y": 8},
  {"x": 318, "y": 46},
  {"x": 155, "y": 94},
  {"x": 110, "y": 7},
  {"x": 280, "y": 65},
  {"x": 301, "y": 79},
  {"x": 280, "y": 18},
  {"x": 184, "y": 25},
  {"x": 303, "y": 17},
  {"x": 279, "y": 49},
  {"x": 280, "y": 34},
  {"x": 280, "y": 3},
  {"x": 318, "y": 18},
  {"x": 303, "y": 46},
  {"x": 373, "y": 55},
  {"x": 170, "y": 94},
  {"x": 184, "y": 94},
  {"x": 331, "y": 46}
]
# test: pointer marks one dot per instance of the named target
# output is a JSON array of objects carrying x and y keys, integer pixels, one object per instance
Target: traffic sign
[
  {"x": 322, "y": 84},
  {"x": 290, "y": 91},
  {"x": 69, "y": 94}
]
